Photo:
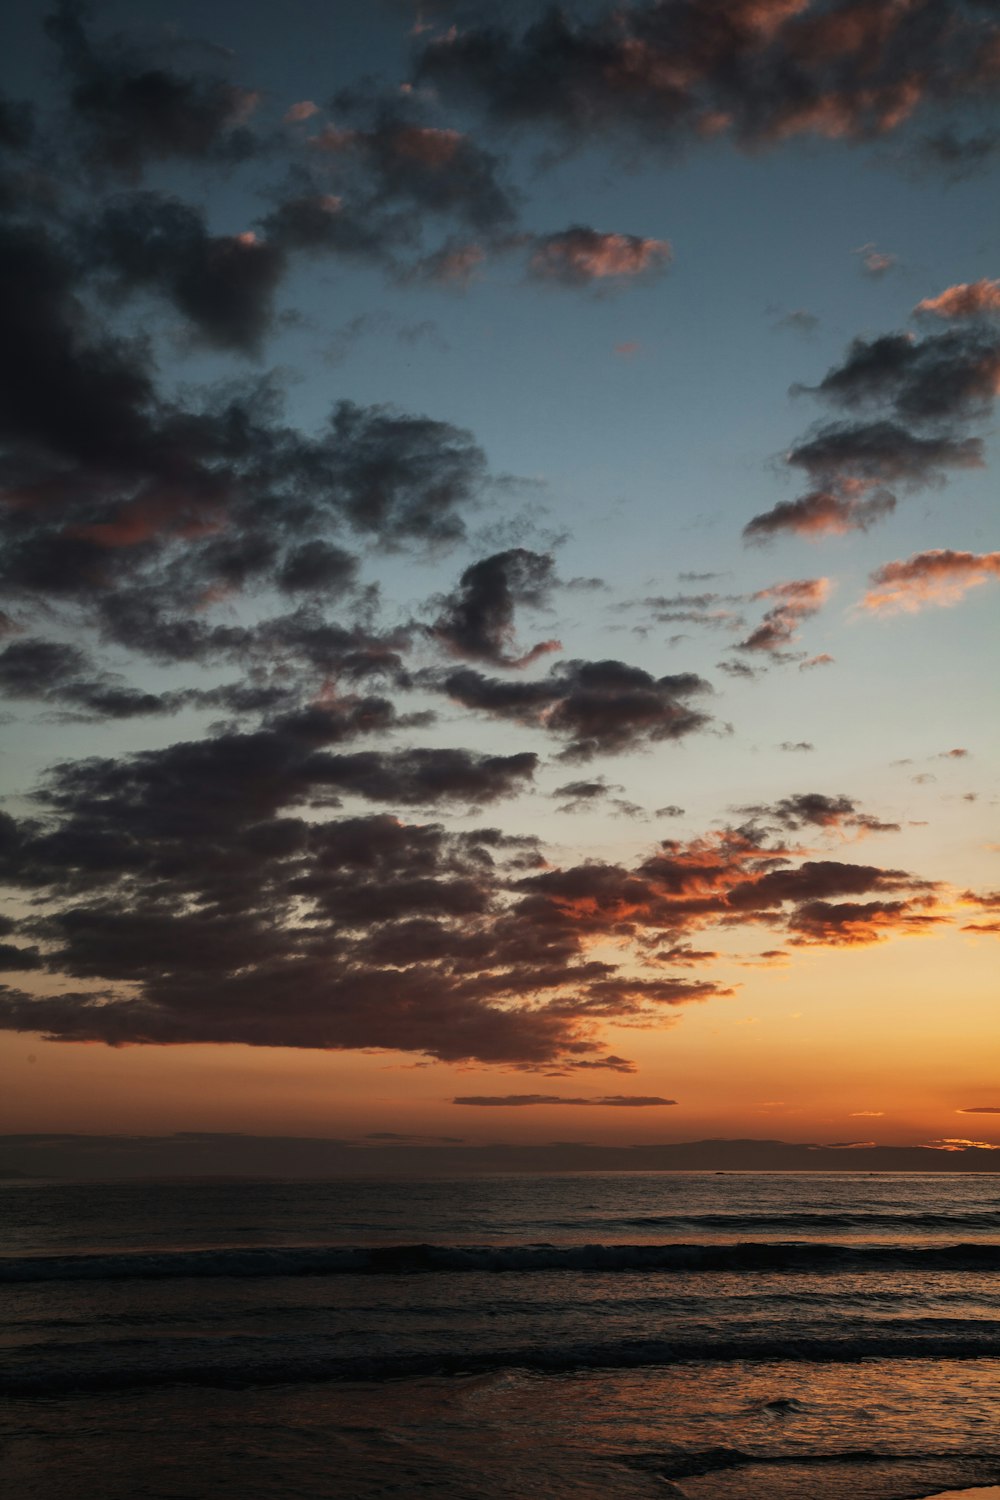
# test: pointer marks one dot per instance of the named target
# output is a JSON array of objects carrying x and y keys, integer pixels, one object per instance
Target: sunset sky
[{"x": 499, "y": 569}]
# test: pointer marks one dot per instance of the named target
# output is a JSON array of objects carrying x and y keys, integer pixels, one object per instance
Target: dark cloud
[
  {"x": 419, "y": 777},
  {"x": 134, "y": 109},
  {"x": 223, "y": 284},
  {"x": 15, "y": 960},
  {"x": 736, "y": 669},
  {"x": 62, "y": 675},
  {"x": 729, "y": 879},
  {"x": 610, "y": 1063},
  {"x": 820, "y": 512},
  {"x": 583, "y": 794},
  {"x": 16, "y": 124},
  {"x": 403, "y": 1138},
  {"x": 599, "y": 708},
  {"x": 796, "y": 745},
  {"x": 628, "y": 1101},
  {"x": 817, "y": 810},
  {"x": 684, "y": 955},
  {"x": 670, "y": 72},
  {"x": 317, "y": 566},
  {"x": 798, "y": 320},
  {"x": 285, "y": 763},
  {"x": 333, "y": 650},
  {"x": 915, "y": 400},
  {"x": 581, "y": 256},
  {"x": 796, "y": 601},
  {"x": 186, "y": 886},
  {"x": 706, "y": 608},
  {"x": 940, "y": 378},
  {"x": 851, "y": 924},
  {"x": 373, "y": 188},
  {"x": 110, "y": 476},
  {"x": 954, "y": 155},
  {"x": 440, "y": 171},
  {"x": 313, "y": 222},
  {"x": 477, "y": 619},
  {"x": 981, "y": 1109},
  {"x": 186, "y": 876}
]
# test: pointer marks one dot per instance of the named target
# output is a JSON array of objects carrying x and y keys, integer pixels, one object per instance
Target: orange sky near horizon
[{"x": 872, "y": 1044}]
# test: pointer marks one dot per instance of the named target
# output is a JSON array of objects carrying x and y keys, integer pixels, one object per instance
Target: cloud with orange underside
[
  {"x": 733, "y": 878},
  {"x": 580, "y": 256},
  {"x": 793, "y": 602},
  {"x": 967, "y": 299},
  {"x": 140, "y": 520},
  {"x": 303, "y": 110},
  {"x": 429, "y": 146},
  {"x": 940, "y": 576},
  {"x": 987, "y": 905}
]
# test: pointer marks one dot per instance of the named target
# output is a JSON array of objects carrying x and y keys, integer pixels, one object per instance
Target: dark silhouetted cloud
[
  {"x": 599, "y": 708},
  {"x": 188, "y": 889},
  {"x": 56, "y": 673},
  {"x": 581, "y": 795},
  {"x": 627, "y": 1101},
  {"x": 851, "y": 924},
  {"x": 110, "y": 475},
  {"x": 667, "y": 73},
  {"x": 223, "y": 284},
  {"x": 477, "y": 620},
  {"x": 134, "y": 109},
  {"x": 440, "y": 171},
  {"x": 817, "y": 810},
  {"x": 915, "y": 400}
]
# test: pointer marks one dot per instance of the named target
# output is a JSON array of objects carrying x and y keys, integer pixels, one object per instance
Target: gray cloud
[{"x": 506, "y": 1101}]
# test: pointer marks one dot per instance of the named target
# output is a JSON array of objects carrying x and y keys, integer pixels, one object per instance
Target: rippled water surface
[{"x": 718, "y": 1335}]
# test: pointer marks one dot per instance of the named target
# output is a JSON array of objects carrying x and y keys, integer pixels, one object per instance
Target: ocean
[{"x": 716, "y": 1335}]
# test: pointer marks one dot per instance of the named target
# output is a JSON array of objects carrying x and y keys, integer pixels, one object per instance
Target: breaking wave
[
  {"x": 239, "y": 1363},
  {"x": 805, "y": 1256}
]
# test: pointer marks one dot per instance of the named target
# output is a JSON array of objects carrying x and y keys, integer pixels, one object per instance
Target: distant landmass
[{"x": 194, "y": 1154}]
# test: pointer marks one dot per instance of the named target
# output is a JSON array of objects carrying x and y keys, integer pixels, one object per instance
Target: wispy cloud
[{"x": 938, "y": 577}]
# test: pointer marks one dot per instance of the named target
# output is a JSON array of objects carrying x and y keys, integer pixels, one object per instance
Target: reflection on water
[
  {"x": 617, "y": 1337},
  {"x": 874, "y": 1431},
  {"x": 581, "y": 1208}
]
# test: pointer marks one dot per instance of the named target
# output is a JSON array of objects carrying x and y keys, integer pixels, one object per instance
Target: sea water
[{"x": 715, "y": 1335}]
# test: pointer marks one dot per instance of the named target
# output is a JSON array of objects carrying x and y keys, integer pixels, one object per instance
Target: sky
[{"x": 498, "y": 571}]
